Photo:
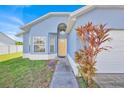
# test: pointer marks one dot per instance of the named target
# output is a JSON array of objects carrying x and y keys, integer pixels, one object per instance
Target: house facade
[{"x": 42, "y": 41}]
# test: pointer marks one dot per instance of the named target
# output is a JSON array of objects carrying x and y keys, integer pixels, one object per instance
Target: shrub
[
  {"x": 92, "y": 37},
  {"x": 51, "y": 64}
]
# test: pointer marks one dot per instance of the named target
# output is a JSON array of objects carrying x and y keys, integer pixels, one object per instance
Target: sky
[{"x": 13, "y": 17}]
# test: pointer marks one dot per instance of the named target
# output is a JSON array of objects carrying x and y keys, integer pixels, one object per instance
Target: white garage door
[{"x": 112, "y": 61}]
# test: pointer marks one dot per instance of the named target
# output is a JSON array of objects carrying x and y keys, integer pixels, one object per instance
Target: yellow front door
[{"x": 62, "y": 47}]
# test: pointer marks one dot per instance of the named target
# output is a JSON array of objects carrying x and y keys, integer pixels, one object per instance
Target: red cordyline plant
[{"x": 92, "y": 37}]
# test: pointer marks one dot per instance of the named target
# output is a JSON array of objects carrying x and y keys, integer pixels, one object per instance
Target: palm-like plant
[{"x": 92, "y": 37}]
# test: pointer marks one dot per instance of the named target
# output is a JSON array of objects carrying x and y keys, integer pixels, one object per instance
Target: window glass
[
  {"x": 52, "y": 43},
  {"x": 39, "y": 44}
]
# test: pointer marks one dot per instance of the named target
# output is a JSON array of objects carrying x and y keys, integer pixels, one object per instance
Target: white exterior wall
[
  {"x": 112, "y": 61},
  {"x": 5, "y": 40},
  {"x": 8, "y": 49},
  {"x": 73, "y": 65},
  {"x": 39, "y": 56}
]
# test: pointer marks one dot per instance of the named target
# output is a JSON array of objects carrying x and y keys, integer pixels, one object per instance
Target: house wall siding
[
  {"x": 112, "y": 17},
  {"x": 72, "y": 43},
  {"x": 43, "y": 29}
]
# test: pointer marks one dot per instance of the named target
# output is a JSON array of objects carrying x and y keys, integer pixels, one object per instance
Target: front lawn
[
  {"x": 23, "y": 73},
  {"x": 5, "y": 57}
]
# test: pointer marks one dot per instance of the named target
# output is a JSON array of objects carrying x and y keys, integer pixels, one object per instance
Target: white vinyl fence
[{"x": 8, "y": 49}]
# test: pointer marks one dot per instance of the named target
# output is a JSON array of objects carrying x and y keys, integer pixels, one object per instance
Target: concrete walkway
[{"x": 63, "y": 76}]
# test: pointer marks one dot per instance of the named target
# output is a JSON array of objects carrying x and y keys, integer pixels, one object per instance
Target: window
[
  {"x": 39, "y": 44},
  {"x": 52, "y": 43}
]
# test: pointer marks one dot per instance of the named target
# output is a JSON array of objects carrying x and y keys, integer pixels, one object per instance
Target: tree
[
  {"x": 19, "y": 43},
  {"x": 92, "y": 37}
]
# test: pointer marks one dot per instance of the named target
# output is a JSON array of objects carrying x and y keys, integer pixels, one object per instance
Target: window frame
[{"x": 42, "y": 38}]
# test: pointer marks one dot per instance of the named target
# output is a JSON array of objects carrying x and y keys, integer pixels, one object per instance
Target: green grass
[
  {"x": 5, "y": 57},
  {"x": 23, "y": 73},
  {"x": 82, "y": 83}
]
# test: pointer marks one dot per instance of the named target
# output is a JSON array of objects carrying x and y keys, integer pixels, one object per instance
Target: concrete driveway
[{"x": 110, "y": 80}]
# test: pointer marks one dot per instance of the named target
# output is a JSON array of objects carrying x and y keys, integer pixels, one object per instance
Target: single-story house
[
  {"x": 54, "y": 35},
  {"x": 6, "y": 40}
]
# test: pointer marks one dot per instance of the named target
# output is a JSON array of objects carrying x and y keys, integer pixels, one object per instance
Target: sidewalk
[{"x": 63, "y": 76}]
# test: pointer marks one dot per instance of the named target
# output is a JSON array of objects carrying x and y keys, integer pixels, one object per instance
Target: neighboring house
[
  {"x": 45, "y": 38},
  {"x": 6, "y": 40},
  {"x": 8, "y": 45}
]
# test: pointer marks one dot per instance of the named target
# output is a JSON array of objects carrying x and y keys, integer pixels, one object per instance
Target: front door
[{"x": 62, "y": 47}]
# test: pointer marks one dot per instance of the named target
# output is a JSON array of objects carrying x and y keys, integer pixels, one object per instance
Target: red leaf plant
[{"x": 92, "y": 37}]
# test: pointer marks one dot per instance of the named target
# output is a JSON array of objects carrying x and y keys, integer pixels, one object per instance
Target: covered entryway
[
  {"x": 62, "y": 40},
  {"x": 113, "y": 60}
]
